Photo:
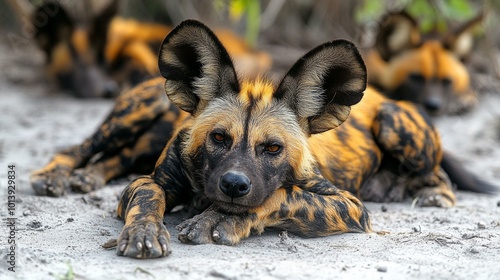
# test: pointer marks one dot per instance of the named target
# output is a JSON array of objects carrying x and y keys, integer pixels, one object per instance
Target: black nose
[
  {"x": 235, "y": 184},
  {"x": 432, "y": 105}
]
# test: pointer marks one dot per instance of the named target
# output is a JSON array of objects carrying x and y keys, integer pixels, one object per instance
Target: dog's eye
[
  {"x": 218, "y": 137},
  {"x": 446, "y": 82},
  {"x": 273, "y": 149}
]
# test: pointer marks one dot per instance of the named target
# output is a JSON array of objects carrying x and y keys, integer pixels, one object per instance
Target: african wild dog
[
  {"x": 261, "y": 155},
  {"x": 428, "y": 71},
  {"x": 425, "y": 69},
  {"x": 102, "y": 56}
]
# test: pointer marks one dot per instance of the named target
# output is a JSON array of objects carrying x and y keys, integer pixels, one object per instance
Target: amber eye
[
  {"x": 218, "y": 137},
  {"x": 273, "y": 149}
]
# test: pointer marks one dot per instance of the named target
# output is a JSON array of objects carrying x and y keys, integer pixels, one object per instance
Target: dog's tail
[{"x": 463, "y": 178}]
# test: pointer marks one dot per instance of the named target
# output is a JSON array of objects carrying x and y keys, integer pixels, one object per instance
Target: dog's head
[
  {"x": 427, "y": 70},
  {"x": 249, "y": 138}
]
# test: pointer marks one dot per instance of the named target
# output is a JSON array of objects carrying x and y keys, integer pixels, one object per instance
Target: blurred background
[{"x": 285, "y": 28}]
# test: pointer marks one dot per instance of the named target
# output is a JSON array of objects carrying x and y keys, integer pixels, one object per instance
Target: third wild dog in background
[
  {"x": 425, "y": 69},
  {"x": 106, "y": 54}
]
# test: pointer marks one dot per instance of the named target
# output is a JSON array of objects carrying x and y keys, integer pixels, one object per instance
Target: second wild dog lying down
[
  {"x": 297, "y": 156},
  {"x": 101, "y": 56}
]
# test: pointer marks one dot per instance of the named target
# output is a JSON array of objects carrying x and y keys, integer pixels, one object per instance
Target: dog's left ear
[
  {"x": 460, "y": 41},
  {"x": 196, "y": 66},
  {"x": 323, "y": 84}
]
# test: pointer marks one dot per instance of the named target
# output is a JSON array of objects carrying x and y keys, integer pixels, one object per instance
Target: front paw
[
  {"x": 430, "y": 198},
  {"x": 437, "y": 191},
  {"x": 85, "y": 180},
  {"x": 50, "y": 183},
  {"x": 144, "y": 240},
  {"x": 214, "y": 227}
]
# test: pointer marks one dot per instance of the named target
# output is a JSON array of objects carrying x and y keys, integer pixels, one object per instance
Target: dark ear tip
[
  {"x": 339, "y": 43},
  {"x": 49, "y": 6},
  {"x": 184, "y": 24},
  {"x": 191, "y": 22},
  {"x": 188, "y": 23},
  {"x": 352, "y": 48},
  {"x": 49, "y": 17},
  {"x": 188, "y": 26},
  {"x": 343, "y": 43}
]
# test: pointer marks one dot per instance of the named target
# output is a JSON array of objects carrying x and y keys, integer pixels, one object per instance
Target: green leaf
[
  {"x": 236, "y": 9},
  {"x": 253, "y": 21},
  {"x": 369, "y": 10}
]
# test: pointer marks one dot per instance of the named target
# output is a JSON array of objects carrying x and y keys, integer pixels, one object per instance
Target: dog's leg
[
  {"x": 52, "y": 179},
  {"x": 134, "y": 112},
  {"x": 434, "y": 190},
  {"x": 142, "y": 206},
  {"x": 300, "y": 210},
  {"x": 413, "y": 154},
  {"x": 94, "y": 176},
  {"x": 139, "y": 158},
  {"x": 145, "y": 200}
]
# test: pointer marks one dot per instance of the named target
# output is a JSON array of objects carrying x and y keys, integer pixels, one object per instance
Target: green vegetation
[
  {"x": 69, "y": 275},
  {"x": 239, "y": 8},
  {"x": 431, "y": 13}
]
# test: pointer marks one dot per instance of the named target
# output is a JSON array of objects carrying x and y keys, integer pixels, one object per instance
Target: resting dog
[
  {"x": 426, "y": 69},
  {"x": 291, "y": 156},
  {"x": 105, "y": 54}
]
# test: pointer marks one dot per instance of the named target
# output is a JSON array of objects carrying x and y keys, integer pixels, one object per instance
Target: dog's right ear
[
  {"x": 52, "y": 26},
  {"x": 461, "y": 40},
  {"x": 397, "y": 32},
  {"x": 322, "y": 85},
  {"x": 196, "y": 66}
]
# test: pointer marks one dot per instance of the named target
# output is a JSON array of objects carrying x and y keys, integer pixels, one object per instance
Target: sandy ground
[{"x": 58, "y": 237}]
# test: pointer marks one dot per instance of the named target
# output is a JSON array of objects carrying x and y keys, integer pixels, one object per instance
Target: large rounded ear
[
  {"x": 52, "y": 26},
  {"x": 196, "y": 66},
  {"x": 323, "y": 84},
  {"x": 397, "y": 32},
  {"x": 460, "y": 41}
]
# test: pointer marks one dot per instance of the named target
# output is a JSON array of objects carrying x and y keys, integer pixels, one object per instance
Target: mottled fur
[{"x": 129, "y": 140}]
